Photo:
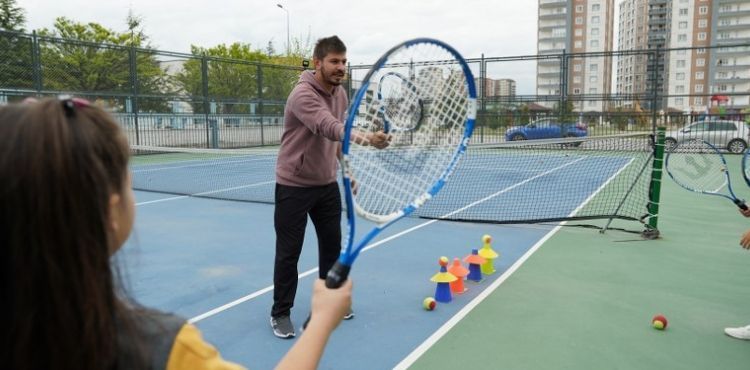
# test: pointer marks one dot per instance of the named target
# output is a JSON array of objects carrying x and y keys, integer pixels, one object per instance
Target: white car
[{"x": 723, "y": 134}]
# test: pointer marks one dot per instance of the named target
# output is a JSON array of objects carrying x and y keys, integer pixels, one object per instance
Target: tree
[
  {"x": 94, "y": 59},
  {"x": 12, "y": 18},
  {"x": 234, "y": 73},
  {"x": 566, "y": 111},
  {"x": 16, "y": 67}
]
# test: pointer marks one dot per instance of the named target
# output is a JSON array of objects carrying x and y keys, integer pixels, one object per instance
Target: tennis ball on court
[
  {"x": 443, "y": 261},
  {"x": 659, "y": 322},
  {"x": 429, "y": 303}
]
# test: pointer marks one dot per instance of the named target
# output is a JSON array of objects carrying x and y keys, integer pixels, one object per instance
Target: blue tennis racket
[
  {"x": 698, "y": 166},
  {"x": 746, "y": 167},
  {"x": 401, "y": 103},
  {"x": 395, "y": 181}
]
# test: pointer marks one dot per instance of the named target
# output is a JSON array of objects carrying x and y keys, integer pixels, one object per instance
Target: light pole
[{"x": 288, "y": 44}]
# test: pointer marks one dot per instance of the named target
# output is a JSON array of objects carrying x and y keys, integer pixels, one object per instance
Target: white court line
[
  {"x": 429, "y": 342},
  {"x": 373, "y": 245}
]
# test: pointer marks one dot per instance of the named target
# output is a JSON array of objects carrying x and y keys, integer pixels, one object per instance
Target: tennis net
[{"x": 532, "y": 181}]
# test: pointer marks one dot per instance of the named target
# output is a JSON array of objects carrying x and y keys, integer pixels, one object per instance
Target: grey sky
[
  {"x": 493, "y": 27},
  {"x": 369, "y": 28}
]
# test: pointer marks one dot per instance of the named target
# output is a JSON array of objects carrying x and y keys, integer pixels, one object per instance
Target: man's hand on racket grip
[{"x": 378, "y": 139}]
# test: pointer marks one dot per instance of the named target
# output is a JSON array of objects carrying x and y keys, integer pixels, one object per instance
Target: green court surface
[{"x": 584, "y": 300}]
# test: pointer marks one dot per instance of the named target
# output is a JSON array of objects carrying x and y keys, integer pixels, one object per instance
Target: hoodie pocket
[{"x": 298, "y": 167}]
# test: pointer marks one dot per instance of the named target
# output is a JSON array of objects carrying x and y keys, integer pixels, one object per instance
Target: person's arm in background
[{"x": 328, "y": 309}]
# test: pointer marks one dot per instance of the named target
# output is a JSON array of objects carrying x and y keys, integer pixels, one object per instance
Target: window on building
[
  {"x": 592, "y": 90},
  {"x": 699, "y": 75},
  {"x": 595, "y": 19},
  {"x": 594, "y": 32},
  {"x": 699, "y": 88},
  {"x": 579, "y": 20},
  {"x": 679, "y": 101},
  {"x": 702, "y": 23},
  {"x": 703, "y": 10},
  {"x": 595, "y": 7},
  {"x": 593, "y": 79},
  {"x": 578, "y": 44},
  {"x": 700, "y": 62},
  {"x": 594, "y": 43},
  {"x": 701, "y": 51},
  {"x": 701, "y": 36},
  {"x": 579, "y": 8},
  {"x": 576, "y": 91},
  {"x": 593, "y": 67},
  {"x": 579, "y": 32},
  {"x": 698, "y": 101},
  {"x": 576, "y": 79},
  {"x": 577, "y": 67},
  {"x": 682, "y": 37},
  {"x": 679, "y": 76},
  {"x": 679, "y": 89},
  {"x": 682, "y": 25},
  {"x": 681, "y": 63},
  {"x": 683, "y": 11}
]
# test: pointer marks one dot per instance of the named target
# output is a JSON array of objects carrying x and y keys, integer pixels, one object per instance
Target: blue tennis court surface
[{"x": 211, "y": 261}]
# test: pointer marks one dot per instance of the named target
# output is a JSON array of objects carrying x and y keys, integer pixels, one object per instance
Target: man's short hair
[{"x": 327, "y": 46}]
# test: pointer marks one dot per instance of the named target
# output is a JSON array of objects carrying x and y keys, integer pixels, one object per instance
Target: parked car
[
  {"x": 545, "y": 129},
  {"x": 723, "y": 134}
]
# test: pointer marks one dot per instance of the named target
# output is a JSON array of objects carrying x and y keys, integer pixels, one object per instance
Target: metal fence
[
  {"x": 174, "y": 99},
  {"x": 160, "y": 98}
]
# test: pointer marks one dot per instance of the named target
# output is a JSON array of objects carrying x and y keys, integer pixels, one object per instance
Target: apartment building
[
  {"x": 688, "y": 70},
  {"x": 730, "y": 66},
  {"x": 575, "y": 26},
  {"x": 632, "y": 68},
  {"x": 690, "y": 74}
]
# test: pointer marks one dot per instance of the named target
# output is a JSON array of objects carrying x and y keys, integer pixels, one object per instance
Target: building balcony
[
  {"x": 553, "y": 16},
  {"x": 732, "y": 80},
  {"x": 552, "y": 3},
  {"x": 733, "y": 13},
  {"x": 729, "y": 27},
  {"x": 548, "y": 74},
  {"x": 729, "y": 67},
  {"x": 734, "y": 40}
]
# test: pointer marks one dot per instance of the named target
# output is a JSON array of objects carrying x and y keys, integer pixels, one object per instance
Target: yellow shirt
[{"x": 191, "y": 352}]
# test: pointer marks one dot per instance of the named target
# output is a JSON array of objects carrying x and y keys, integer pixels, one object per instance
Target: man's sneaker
[
  {"x": 282, "y": 327},
  {"x": 349, "y": 315},
  {"x": 742, "y": 332}
]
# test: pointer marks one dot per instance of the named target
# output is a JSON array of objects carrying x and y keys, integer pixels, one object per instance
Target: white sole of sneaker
[{"x": 281, "y": 335}]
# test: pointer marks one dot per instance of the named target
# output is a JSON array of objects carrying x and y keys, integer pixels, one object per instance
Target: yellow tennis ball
[
  {"x": 486, "y": 239},
  {"x": 429, "y": 303}
]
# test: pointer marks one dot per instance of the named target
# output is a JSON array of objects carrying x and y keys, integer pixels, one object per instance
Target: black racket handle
[
  {"x": 738, "y": 202},
  {"x": 337, "y": 275},
  {"x": 335, "y": 278}
]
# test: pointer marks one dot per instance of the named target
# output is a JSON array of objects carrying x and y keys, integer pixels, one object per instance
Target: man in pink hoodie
[{"x": 306, "y": 174}]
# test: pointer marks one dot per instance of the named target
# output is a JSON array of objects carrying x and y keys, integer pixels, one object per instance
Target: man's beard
[{"x": 329, "y": 77}]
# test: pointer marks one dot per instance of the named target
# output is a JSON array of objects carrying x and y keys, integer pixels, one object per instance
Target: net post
[{"x": 655, "y": 186}]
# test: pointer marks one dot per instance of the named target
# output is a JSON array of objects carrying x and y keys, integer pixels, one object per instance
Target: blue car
[{"x": 544, "y": 129}]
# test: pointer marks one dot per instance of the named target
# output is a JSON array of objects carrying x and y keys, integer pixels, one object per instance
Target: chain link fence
[{"x": 183, "y": 100}]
